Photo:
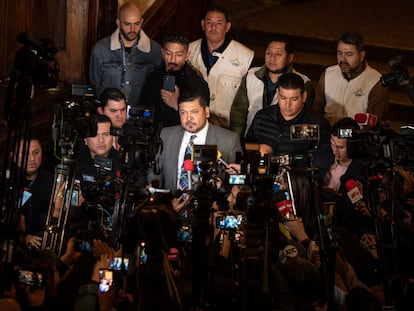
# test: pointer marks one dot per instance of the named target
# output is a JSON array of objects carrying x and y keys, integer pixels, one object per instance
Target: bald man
[{"x": 124, "y": 59}]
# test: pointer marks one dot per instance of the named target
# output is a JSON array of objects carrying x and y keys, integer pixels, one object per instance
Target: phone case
[{"x": 169, "y": 83}]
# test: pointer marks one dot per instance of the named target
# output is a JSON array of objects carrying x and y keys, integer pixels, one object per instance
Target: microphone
[
  {"x": 285, "y": 208},
  {"x": 367, "y": 119},
  {"x": 284, "y": 204},
  {"x": 354, "y": 194},
  {"x": 189, "y": 168}
]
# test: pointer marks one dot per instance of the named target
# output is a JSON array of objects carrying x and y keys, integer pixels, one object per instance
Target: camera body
[{"x": 398, "y": 74}]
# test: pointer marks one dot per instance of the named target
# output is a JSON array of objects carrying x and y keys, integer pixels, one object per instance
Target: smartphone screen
[
  {"x": 119, "y": 263},
  {"x": 105, "y": 280},
  {"x": 83, "y": 246},
  {"x": 169, "y": 83},
  {"x": 237, "y": 179},
  {"x": 229, "y": 221},
  {"x": 142, "y": 253},
  {"x": 31, "y": 277}
]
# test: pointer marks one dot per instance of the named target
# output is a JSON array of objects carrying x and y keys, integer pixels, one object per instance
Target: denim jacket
[{"x": 112, "y": 66}]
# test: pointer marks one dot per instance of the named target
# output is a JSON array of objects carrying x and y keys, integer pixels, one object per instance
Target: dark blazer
[
  {"x": 227, "y": 142},
  {"x": 323, "y": 160}
]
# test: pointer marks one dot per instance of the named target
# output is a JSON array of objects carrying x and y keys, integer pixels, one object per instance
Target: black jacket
[
  {"x": 150, "y": 97},
  {"x": 269, "y": 127},
  {"x": 36, "y": 207}
]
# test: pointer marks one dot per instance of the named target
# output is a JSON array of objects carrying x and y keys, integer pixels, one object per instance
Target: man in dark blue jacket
[{"x": 271, "y": 127}]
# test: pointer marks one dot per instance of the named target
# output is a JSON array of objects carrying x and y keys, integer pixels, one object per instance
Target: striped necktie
[{"x": 183, "y": 183}]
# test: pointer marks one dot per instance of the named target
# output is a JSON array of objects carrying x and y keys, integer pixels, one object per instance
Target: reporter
[{"x": 35, "y": 193}]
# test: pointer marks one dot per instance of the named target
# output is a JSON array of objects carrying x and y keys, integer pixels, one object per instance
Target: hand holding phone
[
  {"x": 105, "y": 280},
  {"x": 31, "y": 277},
  {"x": 83, "y": 246}
]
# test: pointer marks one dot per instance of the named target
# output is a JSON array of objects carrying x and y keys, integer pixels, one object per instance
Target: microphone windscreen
[
  {"x": 285, "y": 208},
  {"x": 366, "y": 119},
  {"x": 353, "y": 191},
  {"x": 188, "y": 165},
  {"x": 350, "y": 184}
]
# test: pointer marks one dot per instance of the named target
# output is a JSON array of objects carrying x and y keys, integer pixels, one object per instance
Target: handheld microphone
[
  {"x": 354, "y": 194},
  {"x": 367, "y": 119},
  {"x": 284, "y": 204},
  {"x": 189, "y": 168},
  {"x": 285, "y": 208}
]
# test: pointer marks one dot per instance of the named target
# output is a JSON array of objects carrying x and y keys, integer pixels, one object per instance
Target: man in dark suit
[{"x": 194, "y": 113}]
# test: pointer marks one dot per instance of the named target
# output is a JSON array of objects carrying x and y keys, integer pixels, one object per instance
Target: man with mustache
[
  {"x": 125, "y": 59},
  {"x": 175, "y": 54},
  {"x": 222, "y": 61},
  {"x": 351, "y": 86},
  {"x": 194, "y": 113},
  {"x": 258, "y": 88}
]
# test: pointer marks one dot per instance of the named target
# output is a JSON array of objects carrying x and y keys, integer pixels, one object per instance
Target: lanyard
[
  {"x": 124, "y": 66},
  {"x": 124, "y": 61}
]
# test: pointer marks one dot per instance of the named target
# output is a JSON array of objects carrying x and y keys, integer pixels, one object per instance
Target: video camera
[
  {"x": 402, "y": 148},
  {"x": 37, "y": 61},
  {"x": 138, "y": 138},
  {"x": 399, "y": 76},
  {"x": 72, "y": 120},
  {"x": 370, "y": 143}
]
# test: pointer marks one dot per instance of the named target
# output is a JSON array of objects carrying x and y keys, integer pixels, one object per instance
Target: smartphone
[
  {"x": 304, "y": 132},
  {"x": 30, "y": 277},
  {"x": 237, "y": 179},
  {"x": 229, "y": 221},
  {"x": 83, "y": 246},
  {"x": 74, "y": 201},
  {"x": 142, "y": 253},
  {"x": 105, "y": 280},
  {"x": 169, "y": 83},
  {"x": 119, "y": 263}
]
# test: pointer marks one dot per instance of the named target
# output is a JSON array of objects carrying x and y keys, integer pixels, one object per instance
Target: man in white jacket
[
  {"x": 258, "y": 88},
  {"x": 222, "y": 61}
]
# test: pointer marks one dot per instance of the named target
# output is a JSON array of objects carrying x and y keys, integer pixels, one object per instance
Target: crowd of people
[{"x": 312, "y": 227}]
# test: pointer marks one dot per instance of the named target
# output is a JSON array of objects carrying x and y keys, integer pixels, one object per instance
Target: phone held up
[
  {"x": 31, "y": 277},
  {"x": 105, "y": 280},
  {"x": 82, "y": 246},
  {"x": 169, "y": 83}
]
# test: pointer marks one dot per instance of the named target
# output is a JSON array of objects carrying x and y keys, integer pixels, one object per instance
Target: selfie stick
[{"x": 291, "y": 193}]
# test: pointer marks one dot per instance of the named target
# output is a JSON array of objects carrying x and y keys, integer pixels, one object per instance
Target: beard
[{"x": 127, "y": 36}]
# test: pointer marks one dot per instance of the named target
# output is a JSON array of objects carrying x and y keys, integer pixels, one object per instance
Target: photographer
[
  {"x": 336, "y": 169},
  {"x": 98, "y": 169}
]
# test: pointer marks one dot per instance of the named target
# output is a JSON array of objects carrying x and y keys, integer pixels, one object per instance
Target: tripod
[{"x": 54, "y": 236}]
